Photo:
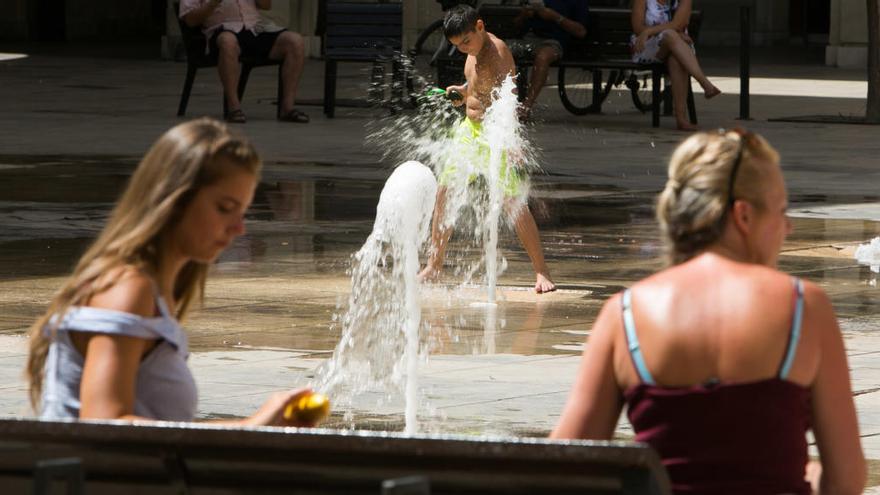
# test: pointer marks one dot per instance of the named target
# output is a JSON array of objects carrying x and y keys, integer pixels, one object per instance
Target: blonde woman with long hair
[
  {"x": 110, "y": 345},
  {"x": 722, "y": 361}
]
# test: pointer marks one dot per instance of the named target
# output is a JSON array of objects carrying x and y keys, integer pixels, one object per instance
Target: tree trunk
[{"x": 872, "y": 113}]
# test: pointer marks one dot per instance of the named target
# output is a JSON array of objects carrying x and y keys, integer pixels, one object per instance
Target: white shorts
[{"x": 648, "y": 55}]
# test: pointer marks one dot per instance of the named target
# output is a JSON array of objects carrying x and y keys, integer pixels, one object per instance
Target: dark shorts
[
  {"x": 251, "y": 45},
  {"x": 526, "y": 47}
]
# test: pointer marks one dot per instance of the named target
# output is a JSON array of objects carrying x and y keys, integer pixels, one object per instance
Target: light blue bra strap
[
  {"x": 164, "y": 310},
  {"x": 795, "y": 332},
  {"x": 632, "y": 340}
]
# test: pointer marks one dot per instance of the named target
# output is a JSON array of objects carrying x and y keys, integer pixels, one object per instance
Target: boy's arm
[
  {"x": 463, "y": 88},
  {"x": 507, "y": 67}
]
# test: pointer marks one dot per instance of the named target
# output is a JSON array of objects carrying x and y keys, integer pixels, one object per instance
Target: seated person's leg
[
  {"x": 673, "y": 44},
  {"x": 545, "y": 54},
  {"x": 680, "y": 79},
  {"x": 226, "y": 46},
  {"x": 290, "y": 48}
]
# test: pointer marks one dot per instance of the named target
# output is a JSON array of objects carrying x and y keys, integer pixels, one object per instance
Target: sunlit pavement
[{"x": 73, "y": 130}]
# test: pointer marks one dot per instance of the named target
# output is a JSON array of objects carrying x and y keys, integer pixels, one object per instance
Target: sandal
[
  {"x": 235, "y": 117},
  {"x": 294, "y": 116}
]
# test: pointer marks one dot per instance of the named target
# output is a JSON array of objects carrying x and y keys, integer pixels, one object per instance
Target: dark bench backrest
[
  {"x": 499, "y": 20},
  {"x": 610, "y": 30},
  {"x": 324, "y": 461},
  {"x": 362, "y": 31}
]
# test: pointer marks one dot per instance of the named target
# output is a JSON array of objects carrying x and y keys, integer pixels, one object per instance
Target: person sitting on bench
[
  {"x": 550, "y": 25},
  {"x": 660, "y": 28},
  {"x": 233, "y": 28}
]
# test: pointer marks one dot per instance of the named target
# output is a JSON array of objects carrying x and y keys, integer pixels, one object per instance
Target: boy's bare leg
[
  {"x": 439, "y": 239},
  {"x": 527, "y": 231}
]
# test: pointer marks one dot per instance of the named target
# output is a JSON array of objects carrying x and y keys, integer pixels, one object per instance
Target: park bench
[
  {"x": 360, "y": 32},
  {"x": 592, "y": 67},
  {"x": 197, "y": 57},
  {"x": 110, "y": 457}
]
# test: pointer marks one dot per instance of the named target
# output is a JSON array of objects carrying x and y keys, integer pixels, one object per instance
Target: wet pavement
[{"x": 268, "y": 320}]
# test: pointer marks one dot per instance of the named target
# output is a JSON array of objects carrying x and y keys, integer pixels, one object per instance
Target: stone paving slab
[{"x": 507, "y": 394}]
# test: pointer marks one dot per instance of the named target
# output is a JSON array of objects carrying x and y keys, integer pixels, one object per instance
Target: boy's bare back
[{"x": 485, "y": 72}]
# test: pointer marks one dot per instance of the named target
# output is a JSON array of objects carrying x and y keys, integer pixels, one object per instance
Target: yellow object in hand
[{"x": 310, "y": 408}]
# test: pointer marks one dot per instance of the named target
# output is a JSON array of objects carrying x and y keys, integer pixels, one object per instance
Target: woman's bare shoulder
[{"x": 129, "y": 290}]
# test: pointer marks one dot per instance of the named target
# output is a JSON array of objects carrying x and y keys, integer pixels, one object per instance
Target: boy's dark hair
[{"x": 460, "y": 20}]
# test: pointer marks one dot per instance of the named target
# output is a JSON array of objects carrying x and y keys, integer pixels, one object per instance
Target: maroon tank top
[{"x": 725, "y": 438}]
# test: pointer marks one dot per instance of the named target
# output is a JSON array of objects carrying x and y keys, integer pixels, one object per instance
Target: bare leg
[
  {"x": 544, "y": 56},
  {"x": 228, "y": 67},
  {"x": 290, "y": 48},
  {"x": 439, "y": 239},
  {"x": 527, "y": 231},
  {"x": 675, "y": 46},
  {"x": 680, "y": 79}
]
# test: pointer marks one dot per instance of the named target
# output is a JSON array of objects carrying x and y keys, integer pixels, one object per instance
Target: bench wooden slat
[
  {"x": 361, "y": 30},
  {"x": 264, "y": 460},
  {"x": 361, "y": 19},
  {"x": 358, "y": 32},
  {"x": 367, "y": 8},
  {"x": 365, "y": 44}
]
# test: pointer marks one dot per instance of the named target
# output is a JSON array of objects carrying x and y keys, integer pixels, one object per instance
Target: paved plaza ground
[{"x": 76, "y": 120}]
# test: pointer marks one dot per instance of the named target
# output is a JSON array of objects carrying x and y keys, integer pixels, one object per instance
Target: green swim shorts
[{"x": 469, "y": 135}]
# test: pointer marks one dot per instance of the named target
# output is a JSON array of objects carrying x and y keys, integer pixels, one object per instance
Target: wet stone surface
[{"x": 268, "y": 319}]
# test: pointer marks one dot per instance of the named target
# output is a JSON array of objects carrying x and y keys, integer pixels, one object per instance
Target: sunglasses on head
[{"x": 744, "y": 135}]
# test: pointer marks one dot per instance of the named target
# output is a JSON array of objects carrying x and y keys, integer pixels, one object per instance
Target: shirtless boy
[{"x": 488, "y": 63}]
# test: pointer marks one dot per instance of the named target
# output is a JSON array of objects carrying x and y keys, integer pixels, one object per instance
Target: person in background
[
  {"x": 487, "y": 65},
  {"x": 660, "y": 36},
  {"x": 550, "y": 26},
  {"x": 233, "y": 28}
]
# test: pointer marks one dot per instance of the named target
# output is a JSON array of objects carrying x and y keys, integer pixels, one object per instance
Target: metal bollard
[{"x": 745, "y": 44}]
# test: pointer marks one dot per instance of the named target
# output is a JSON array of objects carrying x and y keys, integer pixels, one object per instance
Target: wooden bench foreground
[{"x": 118, "y": 457}]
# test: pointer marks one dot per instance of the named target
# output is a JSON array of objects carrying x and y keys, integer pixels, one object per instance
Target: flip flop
[
  {"x": 235, "y": 117},
  {"x": 294, "y": 116}
]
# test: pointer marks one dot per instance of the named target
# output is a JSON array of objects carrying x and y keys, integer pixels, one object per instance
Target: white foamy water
[
  {"x": 380, "y": 350},
  {"x": 477, "y": 205},
  {"x": 378, "y": 354},
  {"x": 869, "y": 254},
  {"x": 501, "y": 130}
]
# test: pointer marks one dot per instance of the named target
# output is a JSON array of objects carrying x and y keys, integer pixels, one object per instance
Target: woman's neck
[
  {"x": 728, "y": 252},
  {"x": 171, "y": 262}
]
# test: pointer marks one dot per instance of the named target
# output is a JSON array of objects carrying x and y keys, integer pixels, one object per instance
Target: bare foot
[
  {"x": 428, "y": 274},
  {"x": 686, "y": 126},
  {"x": 524, "y": 114},
  {"x": 712, "y": 92},
  {"x": 543, "y": 284}
]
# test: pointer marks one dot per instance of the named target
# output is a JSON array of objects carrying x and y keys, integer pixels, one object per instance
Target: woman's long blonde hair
[
  {"x": 186, "y": 158},
  {"x": 692, "y": 209}
]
